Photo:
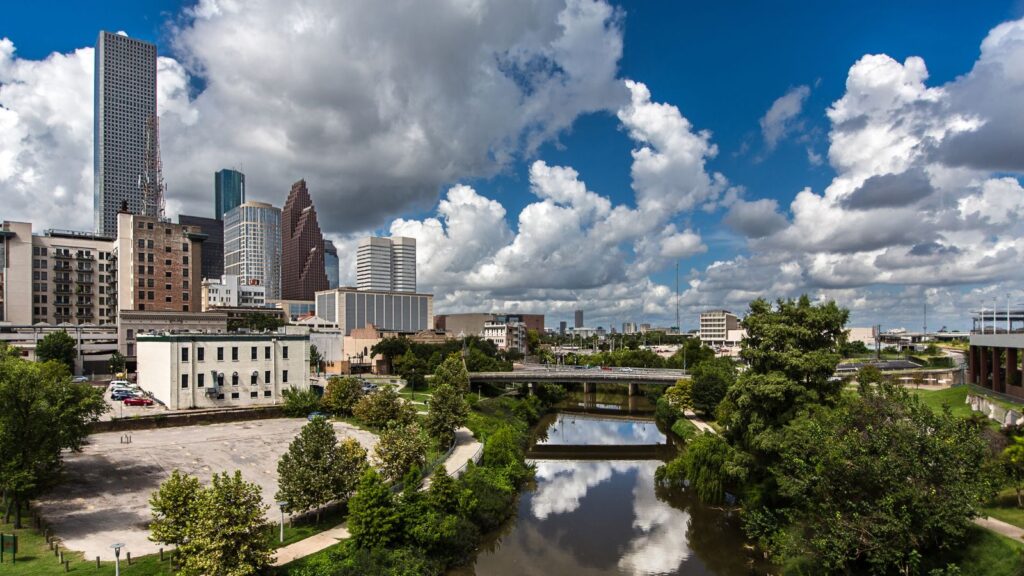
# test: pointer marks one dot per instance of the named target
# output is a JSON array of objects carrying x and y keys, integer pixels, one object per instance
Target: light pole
[
  {"x": 282, "y": 504},
  {"x": 117, "y": 558}
]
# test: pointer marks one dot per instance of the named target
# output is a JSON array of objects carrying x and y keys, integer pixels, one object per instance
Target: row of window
[
  {"x": 149, "y": 295},
  {"x": 143, "y": 243},
  {"x": 253, "y": 353},
  {"x": 148, "y": 282},
  {"x": 253, "y": 379}
]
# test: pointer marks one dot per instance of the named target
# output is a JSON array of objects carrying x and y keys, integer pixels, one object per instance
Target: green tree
[
  {"x": 1012, "y": 459},
  {"x": 41, "y": 414},
  {"x": 299, "y": 402},
  {"x": 704, "y": 464},
  {"x": 532, "y": 341},
  {"x": 448, "y": 412},
  {"x": 412, "y": 369},
  {"x": 452, "y": 372},
  {"x": 691, "y": 352},
  {"x": 711, "y": 380},
  {"x": 227, "y": 533},
  {"x": 384, "y": 407},
  {"x": 389, "y": 349},
  {"x": 317, "y": 470},
  {"x": 874, "y": 484},
  {"x": 373, "y": 517},
  {"x": 58, "y": 346},
  {"x": 680, "y": 395},
  {"x": 316, "y": 359},
  {"x": 117, "y": 363},
  {"x": 257, "y": 322},
  {"x": 399, "y": 450},
  {"x": 341, "y": 394},
  {"x": 173, "y": 506}
]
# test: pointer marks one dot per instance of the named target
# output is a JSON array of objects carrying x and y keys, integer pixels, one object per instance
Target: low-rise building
[
  {"x": 132, "y": 323},
  {"x": 506, "y": 335},
  {"x": 191, "y": 370},
  {"x": 232, "y": 292},
  {"x": 715, "y": 326},
  {"x": 350, "y": 309}
]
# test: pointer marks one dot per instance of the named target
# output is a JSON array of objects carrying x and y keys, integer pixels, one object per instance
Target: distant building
[
  {"x": 562, "y": 327},
  {"x": 212, "y": 266},
  {"x": 349, "y": 309},
  {"x": 252, "y": 245},
  {"x": 506, "y": 335},
  {"x": 629, "y": 327},
  {"x": 331, "y": 266},
  {"x": 578, "y": 323},
  {"x": 58, "y": 277},
  {"x": 715, "y": 326},
  {"x": 472, "y": 324},
  {"x": 302, "y": 247},
  {"x": 124, "y": 103},
  {"x": 228, "y": 191},
  {"x": 186, "y": 371},
  {"x": 387, "y": 264},
  {"x": 158, "y": 265},
  {"x": 133, "y": 323},
  {"x": 230, "y": 291}
]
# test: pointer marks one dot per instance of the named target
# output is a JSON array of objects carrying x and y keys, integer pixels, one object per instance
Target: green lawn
[
  {"x": 989, "y": 554},
  {"x": 955, "y": 398},
  {"x": 1004, "y": 507}
]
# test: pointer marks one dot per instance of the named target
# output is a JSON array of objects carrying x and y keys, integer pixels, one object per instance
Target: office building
[
  {"x": 578, "y": 320},
  {"x": 302, "y": 247},
  {"x": 231, "y": 292},
  {"x": 158, "y": 265},
  {"x": 629, "y": 327},
  {"x": 212, "y": 266},
  {"x": 184, "y": 370},
  {"x": 124, "y": 114},
  {"x": 331, "y": 266},
  {"x": 472, "y": 324},
  {"x": 506, "y": 335},
  {"x": 715, "y": 327},
  {"x": 228, "y": 191},
  {"x": 349, "y": 309},
  {"x": 387, "y": 264},
  {"x": 57, "y": 277},
  {"x": 252, "y": 246},
  {"x": 562, "y": 325},
  {"x": 134, "y": 323}
]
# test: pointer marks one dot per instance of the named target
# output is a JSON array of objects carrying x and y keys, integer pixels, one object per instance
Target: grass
[
  {"x": 685, "y": 429},
  {"x": 989, "y": 554},
  {"x": 300, "y": 531},
  {"x": 1004, "y": 507},
  {"x": 955, "y": 398}
]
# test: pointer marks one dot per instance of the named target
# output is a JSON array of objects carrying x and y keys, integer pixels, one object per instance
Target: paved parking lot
[{"x": 105, "y": 494}]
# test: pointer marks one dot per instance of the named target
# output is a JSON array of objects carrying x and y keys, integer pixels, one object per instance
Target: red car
[{"x": 138, "y": 402}]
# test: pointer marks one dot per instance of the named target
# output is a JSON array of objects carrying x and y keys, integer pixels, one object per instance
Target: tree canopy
[
  {"x": 318, "y": 470},
  {"x": 57, "y": 346}
]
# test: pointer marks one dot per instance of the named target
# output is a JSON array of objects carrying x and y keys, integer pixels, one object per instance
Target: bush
[
  {"x": 384, "y": 407},
  {"x": 299, "y": 403},
  {"x": 666, "y": 414},
  {"x": 493, "y": 495},
  {"x": 341, "y": 395},
  {"x": 711, "y": 380}
]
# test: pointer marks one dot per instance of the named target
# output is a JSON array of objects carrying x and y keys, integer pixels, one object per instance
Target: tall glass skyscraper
[
  {"x": 228, "y": 191},
  {"x": 331, "y": 265},
  {"x": 387, "y": 264},
  {"x": 124, "y": 102},
  {"x": 252, "y": 245}
]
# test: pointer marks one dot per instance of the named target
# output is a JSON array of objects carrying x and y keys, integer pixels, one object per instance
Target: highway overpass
[{"x": 572, "y": 375}]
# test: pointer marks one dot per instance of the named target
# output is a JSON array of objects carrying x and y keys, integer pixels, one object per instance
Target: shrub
[
  {"x": 342, "y": 394},
  {"x": 384, "y": 407},
  {"x": 299, "y": 403}
]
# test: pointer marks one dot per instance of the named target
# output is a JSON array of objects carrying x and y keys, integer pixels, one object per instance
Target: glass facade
[{"x": 228, "y": 191}]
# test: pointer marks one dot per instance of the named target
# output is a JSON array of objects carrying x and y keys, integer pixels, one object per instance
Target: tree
[
  {"x": 117, "y": 363},
  {"x": 384, "y": 407},
  {"x": 448, "y": 411},
  {"x": 874, "y": 484},
  {"x": 399, "y": 450},
  {"x": 57, "y": 346},
  {"x": 299, "y": 402},
  {"x": 711, "y": 380},
  {"x": 41, "y": 414},
  {"x": 532, "y": 341},
  {"x": 173, "y": 505},
  {"x": 389, "y": 349},
  {"x": 341, "y": 394},
  {"x": 1012, "y": 459},
  {"x": 373, "y": 518},
  {"x": 453, "y": 372},
  {"x": 690, "y": 353},
  {"x": 227, "y": 532},
  {"x": 703, "y": 464},
  {"x": 256, "y": 322},
  {"x": 412, "y": 369},
  {"x": 317, "y": 470},
  {"x": 680, "y": 395},
  {"x": 316, "y": 359}
]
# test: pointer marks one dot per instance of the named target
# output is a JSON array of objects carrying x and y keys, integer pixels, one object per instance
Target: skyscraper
[
  {"x": 331, "y": 266},
  {"x": 579, "y": 319},
  {"x": 124, "y": 106},
  {"x": 302, "y": 247},
  {"x": 228, "y": 191},
  {"x": 213, "y": 247},
  {"x": 252, "y": 245},
  {"x": 387, "y": 264}
]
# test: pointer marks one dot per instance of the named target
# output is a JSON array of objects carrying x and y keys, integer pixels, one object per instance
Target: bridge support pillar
[
  {"x": 634, "y": 388},
  {"x": 589, "y": 388},
  {"x": 529, "y": 388}
]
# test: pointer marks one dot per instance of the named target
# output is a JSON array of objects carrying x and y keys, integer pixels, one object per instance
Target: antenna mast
[
  {"x": 151, "y": 180},
  {"x": 679, "y": 327}
]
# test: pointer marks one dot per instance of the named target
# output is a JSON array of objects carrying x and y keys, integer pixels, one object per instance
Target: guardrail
[{"x": 475, "y": 459}]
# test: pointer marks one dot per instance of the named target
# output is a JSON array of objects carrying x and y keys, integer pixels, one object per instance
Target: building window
[
  {"x": 284, "y": 376},
  {"x": 234, "y": 395},
  {"x": 184, "y": 354},
  {"x": 200, "y": 354},
  {"x": 266, "y": 393},
  {"x": 253, "y": 379},
  {"x": 184, "y": 308},
  {"x": 200, "y": 379},
  {"x": 220, "y": 396},
  {"x": 220, "y": 353},
  {"x": 184, "y": 260},
  {"x": 234, "y": 379},
  {"x": 184, "y": 380},
  {"x": 234, "y": 353},
  {"x": 167, "y": 262},
  {"x": 149, "y": 295},
  {"x": 284, "y": 352},
  {"x": 253, "y": 354},
  {"x": 142, "y": 295},
  {"x": 266, "y": 352},
  {"x": 266, "y": 376}
]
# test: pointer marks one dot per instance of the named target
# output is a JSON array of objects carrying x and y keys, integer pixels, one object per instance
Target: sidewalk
[
  {"x": 1000, "y": 527},
  {"x": 700, "y": 424},
  {"x": 466, "y": 448}
]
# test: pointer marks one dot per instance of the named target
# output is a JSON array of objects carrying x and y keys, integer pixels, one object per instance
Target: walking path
[
  {"x": 700, "y": 424},
  {"x": 466, "y": 448},
  {"x": 1000, "y": 527}
]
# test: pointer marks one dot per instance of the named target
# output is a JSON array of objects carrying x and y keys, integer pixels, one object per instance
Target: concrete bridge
[{"x": 582, "y": 375}]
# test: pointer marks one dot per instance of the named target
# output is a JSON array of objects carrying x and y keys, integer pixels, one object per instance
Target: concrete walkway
[
  {"x": 466, "y": 448},
  {"x": 700, "y": 424},
  {"x": 1000, "y": 527}
]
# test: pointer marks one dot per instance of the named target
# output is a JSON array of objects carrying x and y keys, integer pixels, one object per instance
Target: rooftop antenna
[
  {"x": 679, "y": 327},
  {"x": 151, "y": 180}
]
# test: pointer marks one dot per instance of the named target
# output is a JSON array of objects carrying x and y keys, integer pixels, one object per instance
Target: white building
[
  {"x": 232, "y": 292},
  {"x": 386, "y": 264},
  {"x": 124, "y": 101},
  {"x": 192, "y": 370},
  {"x": 506, "y": 336},
  {"x": 349, "y": 309},
  {"x": 252, "y": 245},
  {"x": 715, "y": 326}
]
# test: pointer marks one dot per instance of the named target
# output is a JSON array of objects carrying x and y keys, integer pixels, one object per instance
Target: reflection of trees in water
[{"x": 715, "y": 535}]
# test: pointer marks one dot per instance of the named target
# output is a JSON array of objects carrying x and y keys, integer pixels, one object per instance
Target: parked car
[
  {"x": 137, "y": 401},
  {"x": 79, "y": 379},
  {"x": 120, "y": 395},
  {"x": 369, "y": 387},
  {"x": 314, "y": 415}
]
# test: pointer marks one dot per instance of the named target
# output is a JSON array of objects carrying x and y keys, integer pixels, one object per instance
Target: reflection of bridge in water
[
  {"x": 585, "y": 427},
  {"x": 587, "y": 452}
]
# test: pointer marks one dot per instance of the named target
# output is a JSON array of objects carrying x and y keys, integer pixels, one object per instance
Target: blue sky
[{"x": 721, "y": 65}]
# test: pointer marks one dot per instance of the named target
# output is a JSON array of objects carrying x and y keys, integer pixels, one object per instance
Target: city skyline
[{"x": 884, "y": 191}]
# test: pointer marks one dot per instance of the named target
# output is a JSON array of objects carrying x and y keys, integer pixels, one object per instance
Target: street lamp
[
  {"x": 282, "y": 504},
  {"x": 117, "y": 558}
]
